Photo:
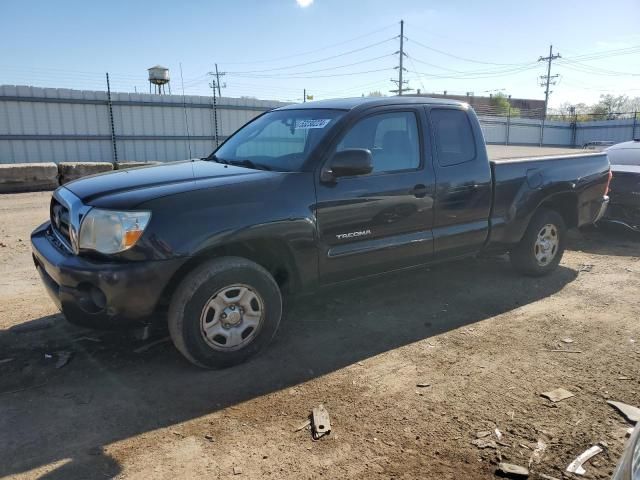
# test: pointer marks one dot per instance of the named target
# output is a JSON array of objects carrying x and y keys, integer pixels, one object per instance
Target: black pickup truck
[{"x": 301, "y": 197}]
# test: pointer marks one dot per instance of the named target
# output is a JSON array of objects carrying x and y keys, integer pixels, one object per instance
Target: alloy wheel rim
[{"x": 232, "y": 317}]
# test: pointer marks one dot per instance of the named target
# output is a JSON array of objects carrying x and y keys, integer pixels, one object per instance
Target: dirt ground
[{"x": 482, "y": 338}]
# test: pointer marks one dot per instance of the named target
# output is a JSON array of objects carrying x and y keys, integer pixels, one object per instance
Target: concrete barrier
[
  {"x": 28, "y": 177},
  {"x": 68, "y": 171},
  {"x": 128, "y": 165}
]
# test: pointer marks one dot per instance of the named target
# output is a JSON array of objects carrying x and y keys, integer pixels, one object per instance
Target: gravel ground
[{"x": 481, "y": 337}]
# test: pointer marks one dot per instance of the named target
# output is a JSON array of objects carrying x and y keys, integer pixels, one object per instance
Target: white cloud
[{"x": 304, "y": 3}]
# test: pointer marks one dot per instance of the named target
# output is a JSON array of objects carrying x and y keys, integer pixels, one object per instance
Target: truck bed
[
  {"x": 499, "y": 153},
  {"x": 521, "y": 184}
]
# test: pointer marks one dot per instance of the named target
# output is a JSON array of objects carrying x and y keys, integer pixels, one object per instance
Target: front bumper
[{"x": 99, "y": 293}]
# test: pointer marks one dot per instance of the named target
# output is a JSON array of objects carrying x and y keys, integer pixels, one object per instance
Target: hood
[{"x": 128, "y": 188}]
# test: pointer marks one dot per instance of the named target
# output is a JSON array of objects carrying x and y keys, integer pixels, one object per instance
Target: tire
[
  {"x": 537, "y": 257},
  {"x": 235, "y": 289}
]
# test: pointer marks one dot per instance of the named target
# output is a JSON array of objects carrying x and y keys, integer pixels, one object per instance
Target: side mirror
[{"x": 351, "y": 162}]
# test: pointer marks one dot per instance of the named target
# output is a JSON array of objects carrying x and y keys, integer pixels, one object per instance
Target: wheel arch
[
  {"x": 566, "y": 204},
  {"x": 273, "y": 255}
]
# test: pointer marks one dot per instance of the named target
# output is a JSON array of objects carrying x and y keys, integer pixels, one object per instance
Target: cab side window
[
  {"x": 391, "y": 137},
  {"x": 455, "y": 143}
]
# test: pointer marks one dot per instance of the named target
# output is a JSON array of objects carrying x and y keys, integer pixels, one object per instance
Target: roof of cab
[{"x": 351, "y": 103}]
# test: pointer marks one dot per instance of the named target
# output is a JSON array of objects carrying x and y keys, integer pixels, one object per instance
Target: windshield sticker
[{"x": 312, "y": 123}]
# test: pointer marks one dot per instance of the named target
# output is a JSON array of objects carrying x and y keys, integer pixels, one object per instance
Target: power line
[
  {"x": 315, "y": 50},
  {"x": 442, "y": 52},
  {"x": 317, "y": 76},
  {"x": 316, "y": 61}
]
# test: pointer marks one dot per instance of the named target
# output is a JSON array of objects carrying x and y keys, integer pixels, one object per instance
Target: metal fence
[
  {"x": 525, "y": 127},
  {"x": 46, "y": 124},
  {"x": 55, "y": 125}
]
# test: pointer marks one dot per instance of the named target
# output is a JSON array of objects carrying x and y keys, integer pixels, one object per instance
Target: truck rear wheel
[
  {"x": 224, "y": 311},
  {"x": 542, "y": 246}
]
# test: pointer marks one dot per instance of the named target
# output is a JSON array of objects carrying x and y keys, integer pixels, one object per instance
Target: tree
[
  {"x": 502, "y": 105},
  {"x": 376, "y": 93}
]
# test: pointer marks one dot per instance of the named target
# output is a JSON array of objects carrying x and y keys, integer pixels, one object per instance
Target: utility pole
[
  {"x": 400, "y": 82},
  {"x": 218, "y": 75},
  {"x": 547, "y": 80},
  {"x": 114, "y": 147},
  {"x": 216, "y": 82},
  {"x": 304, "y": 96},
  {"x": 214, "y": 110}
]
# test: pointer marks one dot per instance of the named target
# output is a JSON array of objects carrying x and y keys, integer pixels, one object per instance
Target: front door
[{"x": 380, "y": 221}]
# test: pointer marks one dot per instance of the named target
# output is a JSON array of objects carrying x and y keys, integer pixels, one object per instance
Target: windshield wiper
[
  {"x": 247, "y": 163},
  {"x": 214, "y": 158}
]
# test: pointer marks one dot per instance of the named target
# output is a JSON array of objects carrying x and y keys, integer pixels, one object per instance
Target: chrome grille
[
  {"x": 67, "y": 212},
  {"x": 61, "y": 221}
]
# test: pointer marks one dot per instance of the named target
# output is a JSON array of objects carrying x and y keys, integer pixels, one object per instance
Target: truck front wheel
[
  {"x": 224, "y": 311},
  {"x": 542, "y": 246}
]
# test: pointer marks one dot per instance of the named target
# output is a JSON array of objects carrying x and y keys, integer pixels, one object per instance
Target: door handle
[{"x": 419, "y": 191}]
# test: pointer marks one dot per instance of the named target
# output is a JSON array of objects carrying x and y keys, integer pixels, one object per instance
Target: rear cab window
[{"x": 454, "y": 140}]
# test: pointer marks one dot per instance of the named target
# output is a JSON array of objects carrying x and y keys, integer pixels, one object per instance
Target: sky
[{"x": 276, "y": 49}]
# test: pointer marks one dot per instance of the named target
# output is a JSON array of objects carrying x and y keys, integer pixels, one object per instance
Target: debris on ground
[
  {"x": 237, "y": 470},
  {"x": 209, "y": 437},
  {"x": 303, "y": 425},
  {"x": 547, "y": 477},
  {"x": 561, "y": 350},
  {"x": 623, "y": 377},
  {"x": 483, "y": 433},
  {"x": 6, "y": 360},
  {"x": 630, "y": 412},
  {"x": 149, "y": 345},
  {"x": 536, "y": 456},
  {"x": 567, "y": 340},
  {"x": 423, "y": 385},
  {"x": 483, "y": 443},
  {"x": 557, "y": 395},
  {"x": 576, "y": 466},
  {"x": 514, "y": 471},
  {"x": 585, "y": 267},
  {"x": 320, "y": 423},
  {"x": 63, "y": 358},
  {"x": 48, "y": 356},
  {"x": 498, "y": 434}
]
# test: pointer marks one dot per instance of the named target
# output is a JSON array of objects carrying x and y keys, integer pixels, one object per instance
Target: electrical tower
[
  {"x": 400, "y": 83},
  {"x": 548, "y": 79}
]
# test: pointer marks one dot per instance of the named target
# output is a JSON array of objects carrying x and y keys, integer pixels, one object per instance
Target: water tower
[{"x": 159, "y": 77}]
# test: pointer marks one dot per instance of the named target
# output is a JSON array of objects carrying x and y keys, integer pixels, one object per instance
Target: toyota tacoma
[{"x": 301, "y": 197}]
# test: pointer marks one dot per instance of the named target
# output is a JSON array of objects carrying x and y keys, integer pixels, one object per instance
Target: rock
[{"x": 483, "y": 443}]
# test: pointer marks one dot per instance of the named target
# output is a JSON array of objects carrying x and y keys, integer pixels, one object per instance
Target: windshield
[{"x": 280, "y": 140}]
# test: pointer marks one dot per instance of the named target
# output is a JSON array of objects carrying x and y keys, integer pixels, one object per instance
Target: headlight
[{"x": 107, "y": 231}]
